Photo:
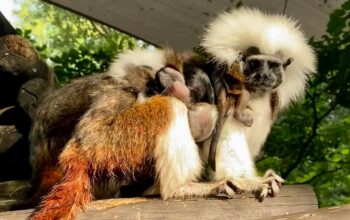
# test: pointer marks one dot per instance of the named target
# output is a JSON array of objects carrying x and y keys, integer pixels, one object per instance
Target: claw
[
  {"x": 260, "y": 199},
  {"x": 224, "y": 190},
  {"x": 279, "y": 184},
  {"x": 262, "y": 192},
  {"x": 235, "y": 188},
  {"x": 274, "y": 189},
  {"x": 274, "y": 181}
]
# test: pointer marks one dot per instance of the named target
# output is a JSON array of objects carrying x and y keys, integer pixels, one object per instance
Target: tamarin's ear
[{"x": 287, "y": 63}]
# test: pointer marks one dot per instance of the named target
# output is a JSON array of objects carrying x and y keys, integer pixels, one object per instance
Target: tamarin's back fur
[
  {"x": 93, "y": 153},
  {"x": 55, "y": 119},
  {"x": 60, "y": 109}
]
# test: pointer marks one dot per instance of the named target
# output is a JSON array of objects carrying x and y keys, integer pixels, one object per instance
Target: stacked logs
[{"x": 23, "y": 79}]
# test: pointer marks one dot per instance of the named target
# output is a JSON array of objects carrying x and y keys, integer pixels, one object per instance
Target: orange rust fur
[
  {"x": 173, "y": 59},
  {"x": 237, "y": 94},
  {"x": 236, "y": 73},
  {"x": 237, "y": 87},
  {"x": 72, "y": 192},
  {"x": 49, "y": 177},
  {"x": 105, "y": 144}
]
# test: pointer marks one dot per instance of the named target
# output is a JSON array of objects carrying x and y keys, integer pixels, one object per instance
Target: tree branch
[
  {"x": 98, "y": 29},
  {"x": 319, "y": 175},
  {"x": 326, "y": 113},
  {"x": 305, "y": 146}
]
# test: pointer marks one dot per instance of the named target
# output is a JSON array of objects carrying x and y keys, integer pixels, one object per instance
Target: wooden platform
[
  {"x": 292, "y": 199},
  {"x": 329, "y": 213}
]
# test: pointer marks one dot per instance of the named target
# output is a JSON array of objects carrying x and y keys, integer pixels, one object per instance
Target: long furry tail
[{"x": 72, "y": 193}]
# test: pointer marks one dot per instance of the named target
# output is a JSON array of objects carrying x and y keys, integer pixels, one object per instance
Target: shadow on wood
[
  {"x": 336, "y": 212},
  {"x": 292, "y": 199}
]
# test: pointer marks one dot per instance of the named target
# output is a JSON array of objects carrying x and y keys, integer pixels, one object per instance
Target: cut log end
[{"x": 19, "y": 57}]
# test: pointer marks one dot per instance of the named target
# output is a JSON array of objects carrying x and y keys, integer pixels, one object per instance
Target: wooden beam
[
  {"x": 180, "y": 23},
  {"x": 292, "y": 199},
  {"x": 5, "y": 26}
]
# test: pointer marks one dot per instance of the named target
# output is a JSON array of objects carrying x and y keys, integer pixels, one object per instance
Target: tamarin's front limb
[
  {"x": 125, "y": 145},
  {"x": 178, "y": 164},
  {"x": 241, "y": 111}
]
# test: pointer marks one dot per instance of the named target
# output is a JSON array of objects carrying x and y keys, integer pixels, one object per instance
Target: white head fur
[
  {"x": 233, "y": 32},
  {"x": 155, "y": 59}
]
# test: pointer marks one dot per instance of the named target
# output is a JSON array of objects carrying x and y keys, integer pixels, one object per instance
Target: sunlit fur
[{"x": 277, "y": 35}]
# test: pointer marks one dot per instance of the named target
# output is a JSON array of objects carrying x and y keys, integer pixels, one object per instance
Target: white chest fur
[
  {"x": 257, "y": 134},
  {"x": 238, "y": 145}
]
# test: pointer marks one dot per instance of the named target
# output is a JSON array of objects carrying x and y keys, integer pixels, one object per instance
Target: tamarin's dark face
[{"x": 262, "y": 72}]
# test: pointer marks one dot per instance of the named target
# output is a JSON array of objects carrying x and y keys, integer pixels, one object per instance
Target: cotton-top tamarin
[{"x": 274, "y": 43}]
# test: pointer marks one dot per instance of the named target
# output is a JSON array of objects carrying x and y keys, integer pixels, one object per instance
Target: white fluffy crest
[
  {"x": 153, "y": 58},
  {"x": 234, "y": 31}
]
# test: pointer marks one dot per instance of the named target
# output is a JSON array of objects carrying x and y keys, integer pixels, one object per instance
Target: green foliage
[
  {"x": 74, "y": 45},
  {"x": 84, "y": 60},
  {"x": 310, "y": 143}
]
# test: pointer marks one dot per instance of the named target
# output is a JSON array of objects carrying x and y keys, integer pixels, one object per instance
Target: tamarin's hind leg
[
  {"x": 49, "y": 176},
  {"x": 74, "y": 191},
  {"x": 268, "y": 185},
  {"x": 178, "y": 164}
]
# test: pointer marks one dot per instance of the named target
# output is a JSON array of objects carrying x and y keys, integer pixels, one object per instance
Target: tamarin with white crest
[{"x": 278, "y": 62}]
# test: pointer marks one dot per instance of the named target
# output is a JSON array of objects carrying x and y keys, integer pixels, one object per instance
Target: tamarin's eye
[
  {"x": 254, "y": 64},
  {"x": 273, "y": 65}
]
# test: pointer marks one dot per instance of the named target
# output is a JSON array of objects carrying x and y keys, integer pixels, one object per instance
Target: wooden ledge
[
  {"x": 292, "y": 199},
  {"x": 335, "y": 212}
]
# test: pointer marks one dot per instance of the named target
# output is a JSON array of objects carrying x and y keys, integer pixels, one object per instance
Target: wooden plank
[
  {"x": 14, "y": 189},
  {"x": 292, "y": 199},
  {"x": 336, "y": 212},
  {"x": 180, "y": 23}
]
